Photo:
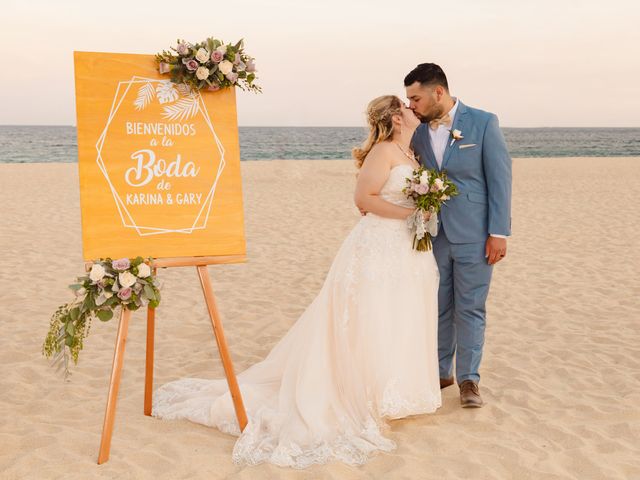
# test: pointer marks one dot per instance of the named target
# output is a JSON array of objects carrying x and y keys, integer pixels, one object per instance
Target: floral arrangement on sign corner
[
  {"x": 111, "y": 284},
  {"x": 210, "y": 64}
]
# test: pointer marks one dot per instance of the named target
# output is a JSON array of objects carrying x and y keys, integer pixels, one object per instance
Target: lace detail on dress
[
  {"x": 397, "y": 405},
  {"x": 259, "y": 444}
]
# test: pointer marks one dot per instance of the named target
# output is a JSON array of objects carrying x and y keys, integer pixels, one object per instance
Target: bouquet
[
  {"x": 111, "y": 284},
  {"x": 429, "y": 190},
  {"x": 210, "y": 64}
]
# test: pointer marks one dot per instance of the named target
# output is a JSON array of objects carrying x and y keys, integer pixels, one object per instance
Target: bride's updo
[{"x": 379, "y": 113}]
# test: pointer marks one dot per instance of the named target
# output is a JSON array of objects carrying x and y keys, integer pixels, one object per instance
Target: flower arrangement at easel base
[
  {"x": 210, "y": 64},
  {"x": 111, "y": 284}
]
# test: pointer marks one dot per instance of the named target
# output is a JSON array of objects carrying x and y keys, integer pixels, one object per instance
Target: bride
[{"x": 364, "y": 350}]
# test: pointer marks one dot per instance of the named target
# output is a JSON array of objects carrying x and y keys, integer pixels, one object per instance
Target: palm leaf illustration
[
  {"x": 166, "y": 92},
  {"x": 145, "y": 95},
  {"x": 183, "y": 109}
]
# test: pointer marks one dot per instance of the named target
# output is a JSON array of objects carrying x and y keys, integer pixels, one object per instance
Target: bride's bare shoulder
[
  {"x": 380, "y": 153},
  {"x": 382, "y": 148}
]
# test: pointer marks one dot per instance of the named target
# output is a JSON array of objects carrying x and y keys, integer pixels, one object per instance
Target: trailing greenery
[{"x": 109, "y": 286}]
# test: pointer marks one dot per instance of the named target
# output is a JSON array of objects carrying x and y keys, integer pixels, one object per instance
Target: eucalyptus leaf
[
  {"x": 71, "y": 328},
  {"x": 148, "y": 291},
  {"x": 104, "y": 315}
]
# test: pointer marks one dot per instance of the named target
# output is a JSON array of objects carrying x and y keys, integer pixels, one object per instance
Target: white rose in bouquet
[
  {"x": 202, "y": 73},
  {"x": 225, "y": 67},
  {"x": 97, "y": 272},
  {"x": 144, "y": 270},
  {"x": 126, "y": 279},
  {"x": 202, "y": 55}
]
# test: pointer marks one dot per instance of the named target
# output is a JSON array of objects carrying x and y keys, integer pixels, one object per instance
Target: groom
[{"x": 473, "y": 227}]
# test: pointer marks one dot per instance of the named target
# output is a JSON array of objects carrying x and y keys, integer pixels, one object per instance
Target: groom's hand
[{"x": 495, "y": 249}]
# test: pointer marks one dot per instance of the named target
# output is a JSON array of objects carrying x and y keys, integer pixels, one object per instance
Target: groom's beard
[
  {"x": 432, "y": 115},
  {"x": 436, "y": 112},
  {"x": 422, "y": 118}
]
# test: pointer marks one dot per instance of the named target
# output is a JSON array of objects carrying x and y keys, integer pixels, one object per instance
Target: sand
[{"x": 560, "y": 375}]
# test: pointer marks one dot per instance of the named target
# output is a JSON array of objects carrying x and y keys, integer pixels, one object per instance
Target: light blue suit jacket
[{"x": 481, "y": 172}]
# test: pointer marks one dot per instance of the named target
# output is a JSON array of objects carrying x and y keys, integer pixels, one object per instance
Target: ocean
[{"x": 32, "y": 144}]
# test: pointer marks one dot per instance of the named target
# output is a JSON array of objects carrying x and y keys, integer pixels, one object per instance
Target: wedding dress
[{"x": 364, "y": 350}]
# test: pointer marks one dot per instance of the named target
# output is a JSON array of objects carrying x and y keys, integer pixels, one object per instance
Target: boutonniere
[{"x": 455, "y": 135}]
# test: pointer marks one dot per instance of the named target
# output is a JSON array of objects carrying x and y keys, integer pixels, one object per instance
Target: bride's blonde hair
[{"x": 379, "y": 113}]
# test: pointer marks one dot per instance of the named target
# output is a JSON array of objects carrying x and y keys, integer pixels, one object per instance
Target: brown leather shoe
[
  {"x": 446, "y": 382},
  {"x": 470, "y": 395}
]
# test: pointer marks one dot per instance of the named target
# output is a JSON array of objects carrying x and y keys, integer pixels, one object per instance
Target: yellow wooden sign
[{"x": 159, "y": 164}]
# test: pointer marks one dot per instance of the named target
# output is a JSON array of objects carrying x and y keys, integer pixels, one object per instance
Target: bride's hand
[{"x": 426, "y": 215}]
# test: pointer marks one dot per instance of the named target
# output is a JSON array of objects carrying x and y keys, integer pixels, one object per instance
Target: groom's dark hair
[{"x": 427, "y": 74}]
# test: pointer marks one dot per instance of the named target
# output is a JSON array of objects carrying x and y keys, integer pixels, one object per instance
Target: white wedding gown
[{"x": 366, "y": 348}]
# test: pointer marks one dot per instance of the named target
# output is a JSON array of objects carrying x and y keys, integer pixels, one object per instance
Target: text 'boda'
[{"x": 147, "y": 168}]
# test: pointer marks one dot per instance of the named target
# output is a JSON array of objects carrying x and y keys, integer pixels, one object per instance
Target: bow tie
[{"x": 446, "y": 121}]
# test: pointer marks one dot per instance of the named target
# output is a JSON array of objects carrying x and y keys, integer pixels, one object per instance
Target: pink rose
[
  {"x": 217, "y": 56},
  {"x": 183, "y": 48},
  {"x": 124, "y": 293},
  {"x": 421, "y": 189},
  {"x": 192, "y": 65},
  {"x": 251, "y": 66},
  {"x": 232, "y": 77},
  {"x": 121, "y": 264}
]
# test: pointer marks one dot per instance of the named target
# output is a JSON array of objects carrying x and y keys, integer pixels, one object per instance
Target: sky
[{"x": 549, "y": 63}]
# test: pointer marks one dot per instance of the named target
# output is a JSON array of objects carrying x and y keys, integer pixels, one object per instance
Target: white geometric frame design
[{"x": 199, "y": 222}]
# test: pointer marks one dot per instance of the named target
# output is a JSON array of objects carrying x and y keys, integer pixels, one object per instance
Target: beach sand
[{"x": 560, "y": 375}]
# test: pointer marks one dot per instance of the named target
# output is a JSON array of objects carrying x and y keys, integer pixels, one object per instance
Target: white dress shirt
[
  {"x": 439, "y": 138},
  {"x": 441, "y": 135}
]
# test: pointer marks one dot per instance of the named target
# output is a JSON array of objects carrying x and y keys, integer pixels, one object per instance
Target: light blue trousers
[{"x": 465, "y": 276}]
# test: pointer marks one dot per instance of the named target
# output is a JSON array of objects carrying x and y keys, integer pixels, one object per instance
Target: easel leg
[
  {"x": 116, "y": 370},
  {"x": 234, "y": 390},
  {"x": 148, "y": 372}
]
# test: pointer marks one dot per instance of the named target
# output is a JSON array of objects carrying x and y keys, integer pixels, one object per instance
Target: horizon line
[{"x": 311, "y": 126}]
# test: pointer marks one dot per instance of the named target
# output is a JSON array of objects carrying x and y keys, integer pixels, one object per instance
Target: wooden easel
[{"x": 201, "y": 264}]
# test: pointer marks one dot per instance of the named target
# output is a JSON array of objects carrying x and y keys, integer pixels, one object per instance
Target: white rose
[
  {"x": 126, "y": 279},
  {"x": 202, "y": 73},
  {"x": 80, "y": 292},
  {"x": 97, "y": 272},
  {"x": 222, "y": 49},
  {"x": 225, "y": 67},
  {"x": 202, "y": 55},
  {"x": 439, "y": 184},
  {"x": 144, "y": 270},
  {"x": 457, "y": 134},
  {"x": 424, "y": 178}
]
